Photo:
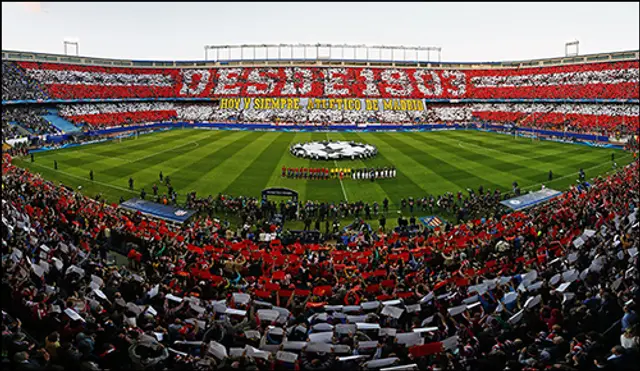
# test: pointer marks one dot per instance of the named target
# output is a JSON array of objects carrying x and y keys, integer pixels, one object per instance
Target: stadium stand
[
  {"x": 552, "y": 287},
  {"x": 612, "y": 80},
  {"x": 555, "y": 287},
  {"x": 27, "y": 117}
]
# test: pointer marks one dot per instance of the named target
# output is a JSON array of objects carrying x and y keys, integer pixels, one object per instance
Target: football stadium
[{"x": 285, "y": 207}]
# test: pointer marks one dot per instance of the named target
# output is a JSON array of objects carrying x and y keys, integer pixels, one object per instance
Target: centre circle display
[{"x": 333, "y": 150}]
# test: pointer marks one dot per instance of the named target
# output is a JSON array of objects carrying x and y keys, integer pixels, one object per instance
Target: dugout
[{"x": 281, "y": 192}]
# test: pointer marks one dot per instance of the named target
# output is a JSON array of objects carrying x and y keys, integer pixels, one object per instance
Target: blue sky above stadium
[{"x": 465, "y": 31}]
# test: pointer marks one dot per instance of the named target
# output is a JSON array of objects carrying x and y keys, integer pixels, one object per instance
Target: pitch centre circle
[{"x": 333, "y": 150}]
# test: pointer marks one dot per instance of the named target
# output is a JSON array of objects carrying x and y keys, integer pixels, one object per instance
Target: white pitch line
[
  {"x": 539, "y": 184},
  {"x": 344, "y": 193},
  {"x": 341, "y": 185},
  {"x": 85, "y": 179}
]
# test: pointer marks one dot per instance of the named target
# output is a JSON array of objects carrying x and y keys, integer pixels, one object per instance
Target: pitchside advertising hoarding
[{"x": 340, "y": 104}]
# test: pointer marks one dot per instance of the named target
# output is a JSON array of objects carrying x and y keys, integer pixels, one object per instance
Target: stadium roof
[{"x": 314, "y": 61}]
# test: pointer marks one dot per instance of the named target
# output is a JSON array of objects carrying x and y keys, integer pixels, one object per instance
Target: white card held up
[
  {"x": 100, "y": 294},
  {"x": 351, "y": 308},
  {"x": 218, "y": 350},
  {"x": 450, "y": 343},
  {"x": 509, "y": 297},
  {"x": 236, "y": 352},
  {"x": 408, "y": 338},
  {"x": 97, "y": 280},
  {"x": 563, "y": 287},
  {"x": 352, "y": 358},
  {"x": 388, "y": 331},
  {"x": 392, "y": 302},
  {"x": 173, "y": 298},
  {"x": 425, "y": 329},
  {"x": 355, "y": 319},
  {"x": 413, "y": 308},
  {"x": 533, "y": 301},
  {"x": 286, "y": 356},
  {"x": 318, "y": 347},
  {"x": 427, "y": 298},
  {"x": 252, "y": 334},
  {"x": 341, "y": 349},
  {"x": 241, "y": 298},
  {"x": 367, "y": 326},
  {"x": 471, "y": 300},
  {"x": 392, "y": 311},
  {"x": 516, "y": 317},
  {"x": 321, "y": 337},
  {"x": 154, "y": 291},
  {"x": 151, "y": 311},
  {"x": 342, "y": 328},
  {"x": 323, "y": 326},
  {"x": 410, "y": 367},
  {"x": 268, "y": 314},
  {"x": 457, "y": 310},
  {"x": 235, "y": 312},
  {"x": 535, "y": 286},
  {"x": 367, "y": 344},
  {"x": 369, "y": 305},
  {"x": 530, "y": 276},
  {"x": 570, "y": 275},
  {"x": 294, "y": 345},
  {"x": 73, "y": 315},
  {"x": 378, "y": 363},
  {"x": 256, "y": 353}
]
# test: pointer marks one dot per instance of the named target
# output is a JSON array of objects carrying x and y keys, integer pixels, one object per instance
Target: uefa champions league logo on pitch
[{"x": 330, "y": 150}]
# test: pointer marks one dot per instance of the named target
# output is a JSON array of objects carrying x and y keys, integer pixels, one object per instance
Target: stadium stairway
[
  {"x": 59, "y": 122},
  {"x": 20, "y": 128}
]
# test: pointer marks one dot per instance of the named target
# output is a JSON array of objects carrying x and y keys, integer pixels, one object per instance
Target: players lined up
[{"x": 338, "y": 173}]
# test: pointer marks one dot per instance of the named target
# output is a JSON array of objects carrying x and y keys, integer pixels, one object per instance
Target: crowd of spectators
[
  {"x": 555, "y": 287},
  {"x": 595, "y": 118},
  {"x": 104, "y": 115},
  {"x": 29, "y": 118},
  {"x": 610, "y": 80},
  {"x": 16, "y": 86}
]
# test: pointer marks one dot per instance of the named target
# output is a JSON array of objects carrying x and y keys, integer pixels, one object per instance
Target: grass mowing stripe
[
  {"x": 84, "y": 181},
  {"x": 320, "y": 190},
  {"x": 512, "y": 148},
  {"x": 213, "y": 160},
  {"x": 402, "y": 185},
  {"x": 569, "y": 179},
  {"x": 489, "y": 162},
  {"x": 158, "y": 154},
  {"x": 115, "y": 173},
  {"x": 254, "y": 177},
  {"x": 127, "y": 149},
  {"x": 174, "y": 165},
  {"x": 230, "y": 168},
  {"x": 288, "y": 160},
  {"x": 541, "y": 167},
  {"x": 444, "y": 167},
  {"x": 368, "y": 190}
]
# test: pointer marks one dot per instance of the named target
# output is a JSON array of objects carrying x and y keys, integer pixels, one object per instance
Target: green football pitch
[{"x": 244, "y": 163}]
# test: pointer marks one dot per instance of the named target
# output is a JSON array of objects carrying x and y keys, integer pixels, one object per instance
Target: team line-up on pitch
[{"x": 339, "y": 173}]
